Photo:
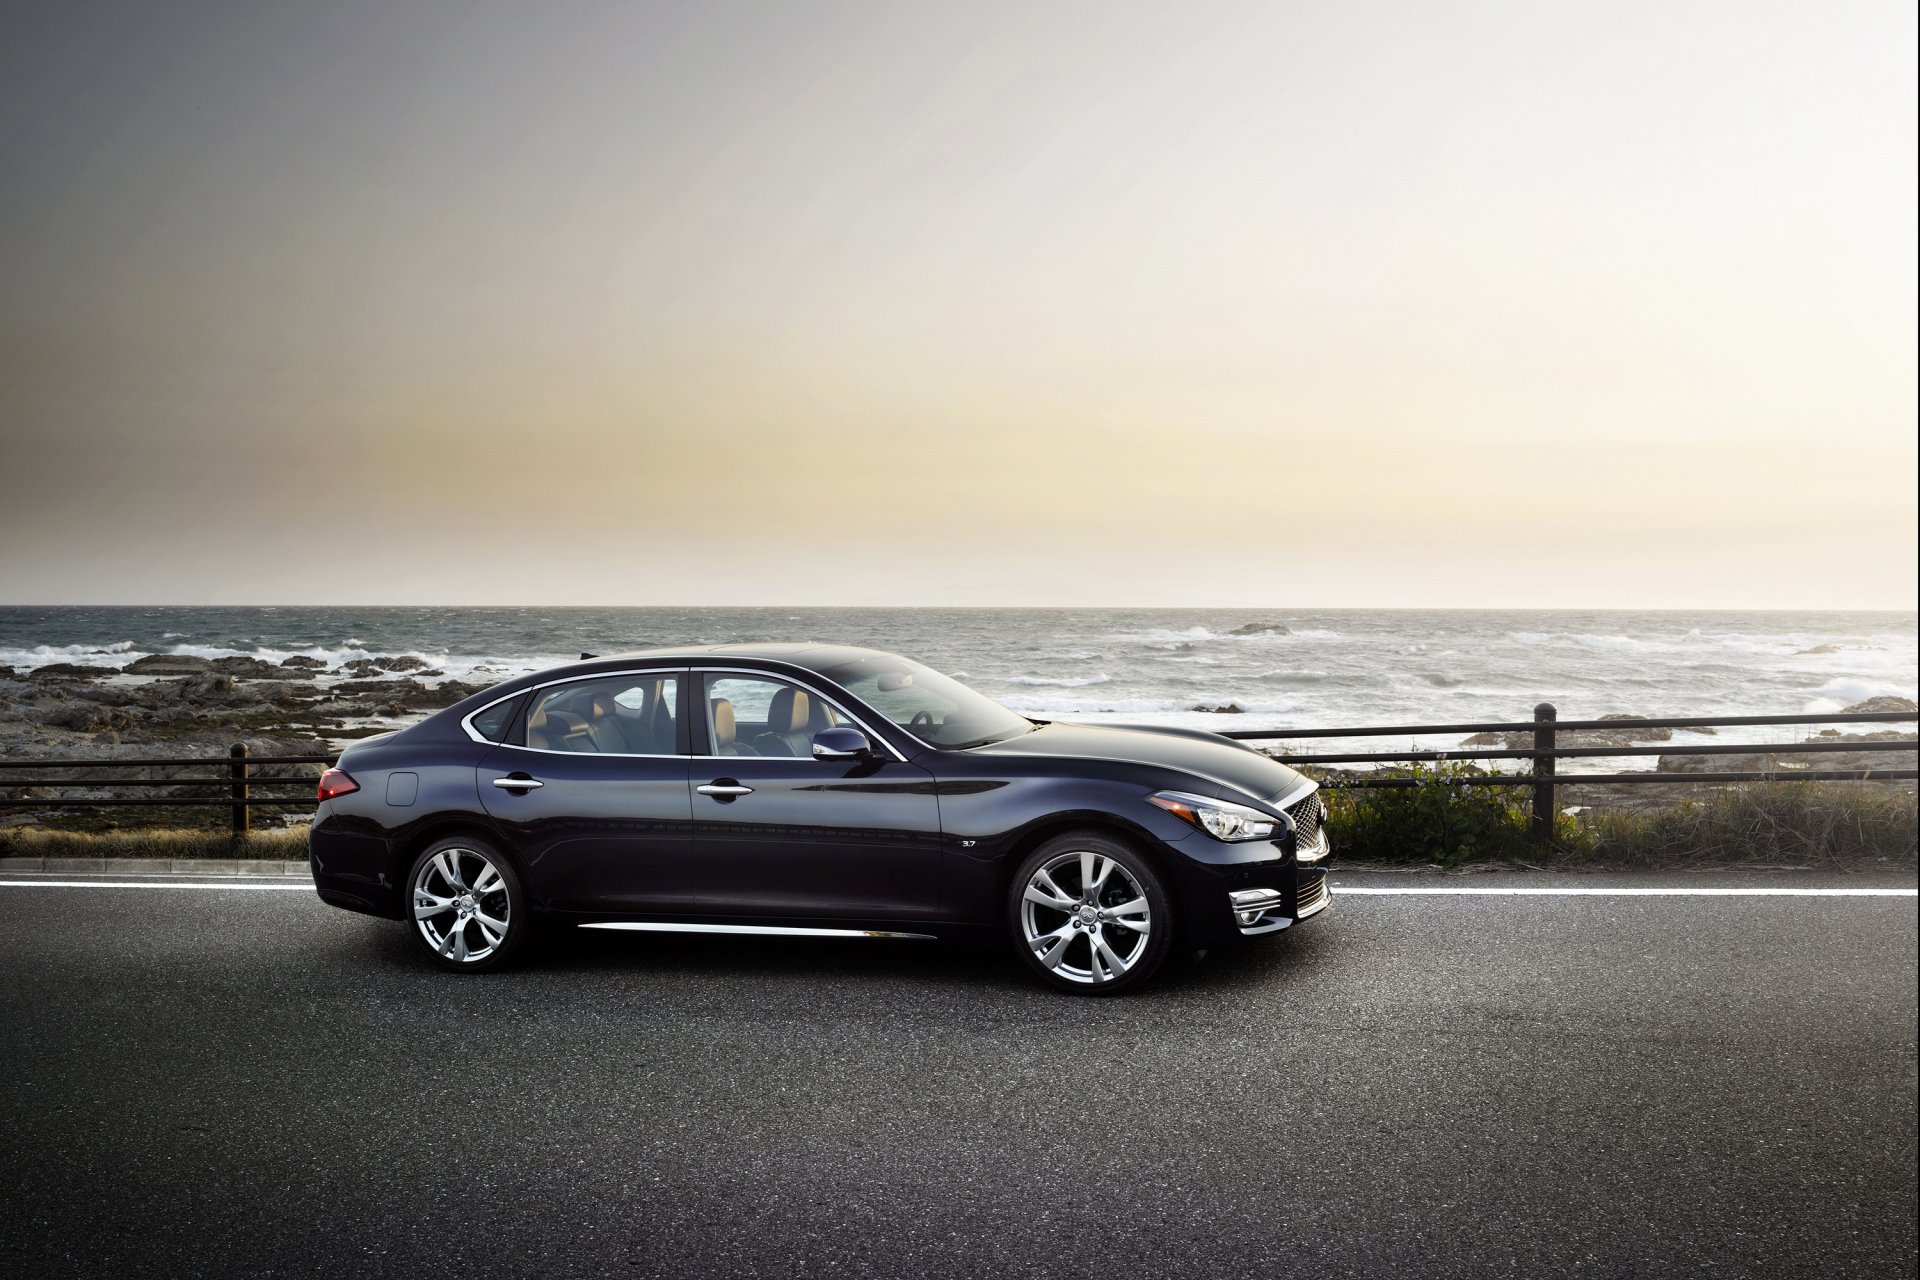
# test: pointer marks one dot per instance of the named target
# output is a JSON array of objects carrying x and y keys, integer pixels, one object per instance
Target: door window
[
  {"x": 631, "y": 715},
  {"x": 761, "y": 716}
]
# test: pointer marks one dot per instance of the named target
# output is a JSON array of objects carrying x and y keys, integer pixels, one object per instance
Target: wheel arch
[{"x": 446, "y": 827}]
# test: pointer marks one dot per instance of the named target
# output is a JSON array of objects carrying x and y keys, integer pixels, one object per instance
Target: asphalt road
[{"x": 229, "y": 1081}]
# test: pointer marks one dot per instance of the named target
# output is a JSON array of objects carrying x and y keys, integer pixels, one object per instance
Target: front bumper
[{"x": 1258, "y": 911}]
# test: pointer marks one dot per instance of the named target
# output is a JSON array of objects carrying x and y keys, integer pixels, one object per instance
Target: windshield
[{"x": 936, "y": 709}]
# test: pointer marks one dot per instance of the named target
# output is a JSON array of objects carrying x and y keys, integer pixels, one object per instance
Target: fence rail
[{"x": 239, "y": 777}]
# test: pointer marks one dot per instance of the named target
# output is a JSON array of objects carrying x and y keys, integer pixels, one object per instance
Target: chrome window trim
[{"x": 466, "y": 721}]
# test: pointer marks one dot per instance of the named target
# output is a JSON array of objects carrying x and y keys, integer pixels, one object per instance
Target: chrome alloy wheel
[
  {"x": 1085, "y": 917},
  {"x": 461, "y": 906}
]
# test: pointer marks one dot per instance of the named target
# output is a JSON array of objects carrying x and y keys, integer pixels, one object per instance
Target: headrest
[
  {"x": 723, "y": 729},
  {"x": 787, "y": 713},
  {"x": 600, "y": 706}
]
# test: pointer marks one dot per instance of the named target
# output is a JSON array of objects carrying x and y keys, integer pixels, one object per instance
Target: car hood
[{"x": 1208, "y": 755}]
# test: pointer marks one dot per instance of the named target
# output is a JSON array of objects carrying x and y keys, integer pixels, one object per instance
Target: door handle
[
  {"x": 725, "y": 790},
  {"x": 517, "y": 784}
]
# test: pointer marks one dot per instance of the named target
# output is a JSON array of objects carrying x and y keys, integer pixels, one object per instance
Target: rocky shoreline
[{"x": 186, "y": 706}]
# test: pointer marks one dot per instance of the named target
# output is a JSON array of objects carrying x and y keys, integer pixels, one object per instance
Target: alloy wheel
[
  {"x": 461, "y": 905},
  {"x": 1086, "y": 917}
]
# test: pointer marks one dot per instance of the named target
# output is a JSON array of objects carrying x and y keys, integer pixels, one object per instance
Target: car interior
[
  {"x": 792, "y": 717},
  {"x": 629, "y": 717},
  {"x": 607, "y": 717}
]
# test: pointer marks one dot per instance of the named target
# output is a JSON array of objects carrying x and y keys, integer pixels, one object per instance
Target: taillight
[{"x": 336, "y": 782}]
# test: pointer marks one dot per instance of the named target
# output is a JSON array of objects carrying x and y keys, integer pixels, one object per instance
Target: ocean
[{"x": 1316, "y": 668}]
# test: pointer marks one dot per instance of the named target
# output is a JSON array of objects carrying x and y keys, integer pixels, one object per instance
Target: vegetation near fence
[
  {"x": 288, "y": 845},
  {"x": 1437, "y": 821}
]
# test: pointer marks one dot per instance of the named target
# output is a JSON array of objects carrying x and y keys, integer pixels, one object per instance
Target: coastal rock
[
  {"x": 1627, "y": 735},
  {"x": 1758, "y": 763},
  {"x": 168, "y": 664},
  {"x": 244, "y": 667},
  {"x": 301, "y": 662},
  {"x": 1819, "y": 648},
  {"x": 1881, "y": 703},
  {"x": 68, "y": 671},
  {"x": 1224, "y": 709},
  {"x": 384, "y": 689},
  {"x": 402, "y": 662},
  {"x": 341, "y": 709},
  {"x": 88, "y": 718},
  {"x": 209, "y": 688},
  {"x": 1261, "y": 629},
  {"x": 361, "y": 667}
]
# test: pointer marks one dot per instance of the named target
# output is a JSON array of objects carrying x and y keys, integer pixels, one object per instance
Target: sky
[{"x": 1266, "y": 304}]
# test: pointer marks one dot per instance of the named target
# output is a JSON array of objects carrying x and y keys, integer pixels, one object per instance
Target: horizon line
[{"x": 1003, "y": 608}]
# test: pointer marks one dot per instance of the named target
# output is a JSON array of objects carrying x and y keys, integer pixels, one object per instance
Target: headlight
[{"x": 1218, "y": 818}]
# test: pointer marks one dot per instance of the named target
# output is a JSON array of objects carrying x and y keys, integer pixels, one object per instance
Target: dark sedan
[{"x": 813, "y": 790}]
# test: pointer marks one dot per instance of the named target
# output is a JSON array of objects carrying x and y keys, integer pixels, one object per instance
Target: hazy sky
[{"x": 1269, "y": 303}]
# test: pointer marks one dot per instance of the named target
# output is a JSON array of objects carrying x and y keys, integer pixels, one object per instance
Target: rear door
[
  {"x": 593, "y": 789},
  {"x": 781, "y": 834}
]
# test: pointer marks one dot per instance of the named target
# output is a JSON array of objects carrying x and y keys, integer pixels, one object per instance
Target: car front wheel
[
  {"x": 1090, "y": 915},
  {"x": 465, "y": 905}
]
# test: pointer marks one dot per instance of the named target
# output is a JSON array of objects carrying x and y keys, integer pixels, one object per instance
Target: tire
[
  {"x": 461, "y": 929},
  {"x": 1107, "y": 946}
]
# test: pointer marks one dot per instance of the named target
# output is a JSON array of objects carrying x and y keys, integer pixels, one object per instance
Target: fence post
[
  {"x": 237, "y": 788},
  {"x": 1544, "y": 811}
]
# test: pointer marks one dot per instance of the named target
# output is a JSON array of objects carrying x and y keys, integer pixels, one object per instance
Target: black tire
[
  {"x": 1070, "y": 937},
  {"x": 461, "y": 936}
]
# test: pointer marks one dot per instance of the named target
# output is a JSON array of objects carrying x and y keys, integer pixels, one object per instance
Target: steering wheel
[{"x": 921, "y": 720}]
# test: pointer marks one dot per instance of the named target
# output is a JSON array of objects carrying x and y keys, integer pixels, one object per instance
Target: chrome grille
[
  {"x": 1311, "y": 896},
  {"x": 1307, "y": 816}
]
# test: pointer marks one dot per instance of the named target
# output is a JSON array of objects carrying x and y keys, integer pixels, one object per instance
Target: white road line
[
  {"x": 146, "y": 884},
  {"x": 1340, "y": 889},
  {"x": 1481, "y": 891}
]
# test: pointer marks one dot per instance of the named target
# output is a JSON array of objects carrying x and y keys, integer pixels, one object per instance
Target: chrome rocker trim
[{"x": 762, "y": 930}]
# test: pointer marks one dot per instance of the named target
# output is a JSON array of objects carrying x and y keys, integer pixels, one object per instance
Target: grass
[
  {"x": 289, "y": 845},
  {"x": 1776, "y": 824},
  {"x": 1779, "y": 824}
]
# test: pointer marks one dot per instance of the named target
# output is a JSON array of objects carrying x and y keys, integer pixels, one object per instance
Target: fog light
[{"x": 1250, "y": 904}]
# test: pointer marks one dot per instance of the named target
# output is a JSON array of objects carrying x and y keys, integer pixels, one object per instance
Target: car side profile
[{"x": 813, "y": 790}]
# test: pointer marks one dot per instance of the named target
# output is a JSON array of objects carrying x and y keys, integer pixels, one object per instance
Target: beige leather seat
[
  {"x": 789, "y": 716},
  {"x": 606, "y": 728},
  {"x": 725, "y": 731}
]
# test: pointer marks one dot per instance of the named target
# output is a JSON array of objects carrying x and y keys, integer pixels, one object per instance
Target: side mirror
[{"x": 841, "y": 743}]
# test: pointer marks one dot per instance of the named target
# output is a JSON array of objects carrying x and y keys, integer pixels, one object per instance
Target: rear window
[{"x": 493, "y": 723}]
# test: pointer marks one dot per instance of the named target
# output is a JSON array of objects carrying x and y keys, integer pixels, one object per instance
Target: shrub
[{"x": 1436, "y": 820}]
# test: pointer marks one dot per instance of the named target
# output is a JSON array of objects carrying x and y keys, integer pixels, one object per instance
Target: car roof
[{"x": 807, "y": 655}]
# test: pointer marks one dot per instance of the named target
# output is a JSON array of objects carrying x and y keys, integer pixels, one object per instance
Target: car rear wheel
[
  {"x": 465, "y": 905},
  {"x": 1090, "y": 915}
]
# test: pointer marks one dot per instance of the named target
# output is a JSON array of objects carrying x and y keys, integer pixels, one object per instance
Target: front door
[
  {"x": 781, "y": 834},
  {"x": 594, "y": 792}
]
